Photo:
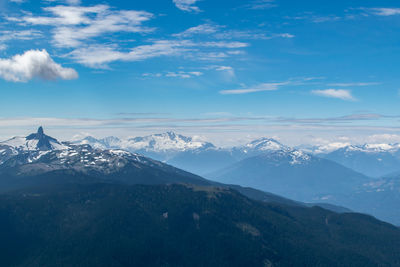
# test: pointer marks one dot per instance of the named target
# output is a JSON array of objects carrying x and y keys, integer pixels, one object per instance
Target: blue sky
[{"x": 300, "y": 71}]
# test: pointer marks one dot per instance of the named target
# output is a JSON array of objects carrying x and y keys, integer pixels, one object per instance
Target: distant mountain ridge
[
  {"x": 370, "y": 159},
  {"x": 168, "y": 141}
]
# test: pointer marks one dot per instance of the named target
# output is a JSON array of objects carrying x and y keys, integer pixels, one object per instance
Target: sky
[{"x": 303, "y": 72}]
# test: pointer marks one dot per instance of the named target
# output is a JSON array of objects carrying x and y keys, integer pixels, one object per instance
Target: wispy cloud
[
  {"x": 19, "y": 35},
  {"x": 183, "y": 74},
  {"x": 187, "y": 5},
  {"x": 175, "y": 74},
  {"x": 222, "y": 44},
  {"x": 340, "y": 119},
  {"x": 24, "y": 35},
  {"x": 206, "y": 28},
  {"x": 255, "y": 89},
  {"x": 34, "y": 64},
  {"x": 69, "y": 2},
  {"x": 75, "y": 24},
  {"x": 353, "y": 84},
  {"x": 221, "y": 32},
  {"x": 250, "y": 35},
  {"x": 382, "y": 11},
  {"x": 228, "y": 71},
  {"x": 335, "y": 93},
  {"x": 318, "y": 18},
  {"x": 99, "y": 56},
  {"x": 261, "y": 4}
]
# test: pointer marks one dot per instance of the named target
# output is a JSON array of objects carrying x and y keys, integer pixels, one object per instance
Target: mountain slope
[
  {"x": 119, "y": 225},
  {"x": 292, "y": 174},
  {"x": 380, "y": 197}
]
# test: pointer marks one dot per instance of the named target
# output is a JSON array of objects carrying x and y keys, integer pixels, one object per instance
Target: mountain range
[
  {"x": 200, "y": 157},
  {"x": 263, "y": 164},
  {"x": 27, "y": 163},
  {"x": 65, "y": 204}
]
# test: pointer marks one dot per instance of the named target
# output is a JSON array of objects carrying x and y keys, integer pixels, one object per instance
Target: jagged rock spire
[
  {"x": 40, "y": 131},
  {"x": 44, "y": 141}
]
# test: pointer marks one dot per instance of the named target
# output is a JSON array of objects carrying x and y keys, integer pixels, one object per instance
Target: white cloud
[
  {"x": 200, "y": 29},
  {"x": 69, "y": 2},
  {"x": 352, "y": 84},
  {"x": 175, "y": 74},
  {"x": 183, "y": 74},
  {"x": 7, "y": 36},
  {"x": 284, "y": 35},
  {"x": 335, "y": 93},
  {"x": 187, "y": 5},
  {"x": 83, "y": 28},
  {"x": 225, "y": 44},
  {"x": 34, "y": 64},
  {"x": 261, "y": 4},
  {"x": 19, "y": 35},
  {"x": 228, "y": 71},
  {"x": 73, "y": 2},
  {"x": 75, "y": 24},
  {"x": 64, "y": 15},
  {"x": 384, "y": 11},
  {"x": 384, "y": 138},
  {"x": 211, "y": 56},
  {"x": 96, "y": 56},
  {"x": 99, "y": 56},
  {"x": 215, "y": 30},
  {"x": 259, "y": 88}
]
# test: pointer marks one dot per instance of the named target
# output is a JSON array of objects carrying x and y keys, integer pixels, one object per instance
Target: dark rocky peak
[{"x": 44, "y": 141}]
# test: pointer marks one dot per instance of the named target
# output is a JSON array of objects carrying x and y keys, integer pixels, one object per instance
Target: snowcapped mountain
[
  {"x": 204, "y": 158},
  {"x": 264, "y": 144},
  {"x": 104, "y": 143},
  {"x": 168, "y": 141},
  {"x": 346, "y": 147},
  {"x": 40, "y": 153},
  {"x": 159, "y": 146},
  {"x": 36, "y": 144},
  {"x": 191, "y": 154},
  {"x": 270, "y": 146},
  {"x": 36, "y": 141},
  {"x": 370, "y": 159}
]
